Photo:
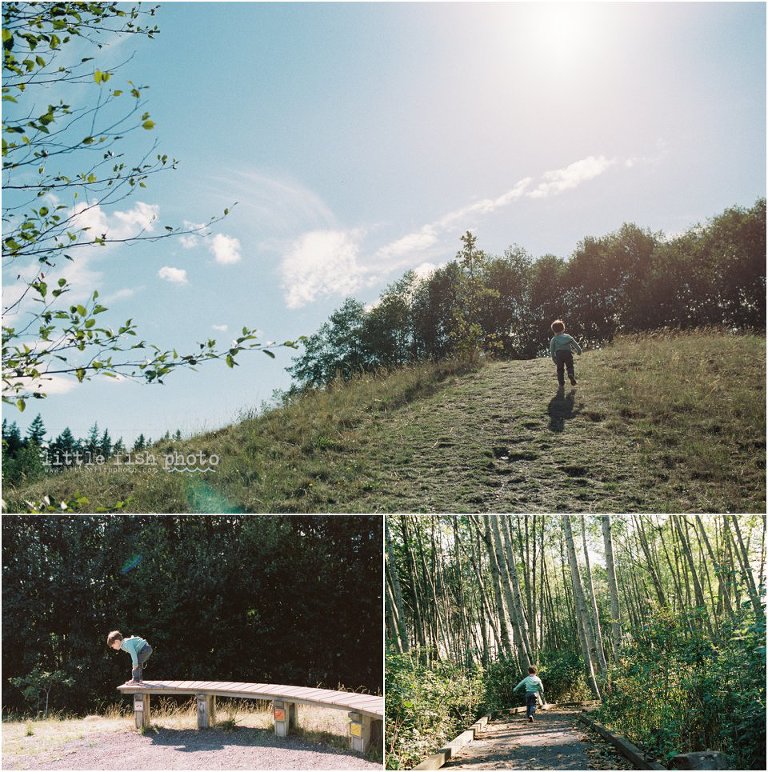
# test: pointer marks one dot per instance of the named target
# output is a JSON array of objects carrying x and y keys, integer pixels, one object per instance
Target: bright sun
[{"x": 560, "y": 35}]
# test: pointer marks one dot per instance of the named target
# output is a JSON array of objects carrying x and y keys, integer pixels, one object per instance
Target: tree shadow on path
[{"x": 561, "y": 409}]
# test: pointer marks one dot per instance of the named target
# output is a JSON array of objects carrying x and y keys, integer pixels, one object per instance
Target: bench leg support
[
  {"x": 141, "y": 710},
  {"x": 284, "y": 715},
  {"x": 206, "y": 711},
  {"x": 364, "y": 732}
]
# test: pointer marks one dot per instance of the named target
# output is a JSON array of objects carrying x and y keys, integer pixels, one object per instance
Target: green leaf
[
  {"x": 148, "y": 125},
  {"x": 101, "y": 77},
  {"x": 21, "y": 404},
  {"x": 80, "y": 374},
  {"x": 269, "y": 353}
]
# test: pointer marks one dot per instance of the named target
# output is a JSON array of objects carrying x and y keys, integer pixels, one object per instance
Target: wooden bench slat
[{"x": 365, "y": 703}]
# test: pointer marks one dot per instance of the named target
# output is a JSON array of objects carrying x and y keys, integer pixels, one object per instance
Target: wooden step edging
[
  {"x": 624, "y": 746},
  {"x": 436, "y": 760},
  {"x": 365, "y": 712}
]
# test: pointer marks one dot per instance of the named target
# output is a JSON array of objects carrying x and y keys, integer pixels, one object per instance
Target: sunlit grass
[{"x": 661, "y": 422}]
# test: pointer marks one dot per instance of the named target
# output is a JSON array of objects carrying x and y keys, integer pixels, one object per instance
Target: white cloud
[
  {"x": 118, "y": 225},
  {"x": 173, "y": 275},
  {"x": 322, "y": 263},
  {"x": 142, "y": 216},
  {"x": 191, "y": 240},
  {"x": 413, "y": 242},
  {"x": 48, "y": 384},
  {"x": 225, "y": 249},
  {"x": 329, "y": 262},
  {"x": 425, "y": 270},
  {"x": 121, "y": 294},
  {"x": 282, "y": 204},
  {"x": 221, "y": 327},
  {"x": 572, "y": 176}
]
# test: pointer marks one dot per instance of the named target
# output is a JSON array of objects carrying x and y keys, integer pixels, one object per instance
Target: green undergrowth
[
  {"x": 675, "y": 692},
  {"x": 427, "y": 705},
  {"x": 662, "y": 422}
]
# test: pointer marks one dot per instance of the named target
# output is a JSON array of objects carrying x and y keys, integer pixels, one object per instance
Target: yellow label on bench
[
  {"x": 356, "y": 729},
  {"x": 279, "y": 714}
]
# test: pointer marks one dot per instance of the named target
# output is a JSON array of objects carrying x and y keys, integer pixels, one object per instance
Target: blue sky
[{"x": 361, "y": 140}]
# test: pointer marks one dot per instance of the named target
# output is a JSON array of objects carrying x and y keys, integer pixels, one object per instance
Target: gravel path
[
  {"x": 553, "y": 741},
  {"x": 192, "y": 749}
]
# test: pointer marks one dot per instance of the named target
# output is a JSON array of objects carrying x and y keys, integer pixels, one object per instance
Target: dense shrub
[
  {"x": 675, "y": 692},
  {"x": 427, "y": 705},
  {"x": 561, "y": 672}
]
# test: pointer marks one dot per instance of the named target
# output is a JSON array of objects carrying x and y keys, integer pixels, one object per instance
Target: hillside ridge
[{"x": 657, "y": 423}]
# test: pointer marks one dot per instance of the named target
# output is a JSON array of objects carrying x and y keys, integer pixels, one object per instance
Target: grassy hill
[{"x": 658, "y": 423}]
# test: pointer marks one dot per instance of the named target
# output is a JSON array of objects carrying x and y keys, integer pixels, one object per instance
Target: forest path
[
  {"x": 504, "y": 439},
  {"x": 553, "y": 741}
]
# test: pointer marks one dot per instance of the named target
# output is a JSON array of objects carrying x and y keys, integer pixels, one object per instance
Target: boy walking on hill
[
  {"x": 533, "y": 686},
  {"x": 138, "y": 648},
  {"x": 561, "y": 349}
]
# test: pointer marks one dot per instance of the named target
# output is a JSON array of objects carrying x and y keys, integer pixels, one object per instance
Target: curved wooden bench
[{"x": 366, "y": 712}]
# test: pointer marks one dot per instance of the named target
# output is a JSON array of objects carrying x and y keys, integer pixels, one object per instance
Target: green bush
[
  {"x": 676, "y": 692},
  {"x": 427, "y": 705},
  {"x": 561, "y": 672}
]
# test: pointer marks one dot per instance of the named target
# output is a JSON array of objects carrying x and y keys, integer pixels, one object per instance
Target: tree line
[
  {"x": 660, "y": 618},
  {"x": 29, "y": 457},
  {"x": 628, "y": 281},
  {"x": 294, "y": 600}
]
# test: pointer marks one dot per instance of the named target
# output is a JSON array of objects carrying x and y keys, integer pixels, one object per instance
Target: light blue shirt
[
  {"x": 133, "y": 646},
  {"x": 532, "y": 685},
  {"x": 563, "y": 341}
]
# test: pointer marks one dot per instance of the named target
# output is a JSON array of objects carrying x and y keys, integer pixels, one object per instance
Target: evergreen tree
[
  {"x": 36, "y": 431},
  {"x": 105, "y": 445},
  {"x": 91, "y": 443},
  {"x": 12, "y": 440}
]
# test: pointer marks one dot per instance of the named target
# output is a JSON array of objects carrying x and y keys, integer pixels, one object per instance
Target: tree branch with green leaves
[{"x": 54, "y": 149}]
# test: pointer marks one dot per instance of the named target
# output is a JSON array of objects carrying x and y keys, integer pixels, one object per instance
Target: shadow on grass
[{"x": 561, "y": 409}]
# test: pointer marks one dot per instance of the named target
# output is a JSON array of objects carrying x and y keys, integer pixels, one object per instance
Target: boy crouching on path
[
  {"x": 138, "y": 648},
  {"x": 533, "y": 685},
  {"x": 561, "y": 349}
]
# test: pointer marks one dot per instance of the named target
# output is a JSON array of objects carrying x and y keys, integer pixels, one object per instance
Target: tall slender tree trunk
[
  {"x": 397, "y": 594},
  {"x": 485, "y": 604},
  {"x": 613, "y": 589},
  {"x": 410, "y": 564},
  {"x": 688, "y": 555},
  {"x": 598, "y": 633},
  {"x": 746, "y": 569},
  {"x": 651, "y": 563},
  {"x": 581, "y": 606},
  {"x": 496, "y": 577},
  {"x": 523, "y": 656},
  {"x": 516, "y": 593}
]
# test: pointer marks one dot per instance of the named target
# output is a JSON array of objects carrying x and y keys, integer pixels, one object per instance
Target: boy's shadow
[{"x": 560, "y": 409}]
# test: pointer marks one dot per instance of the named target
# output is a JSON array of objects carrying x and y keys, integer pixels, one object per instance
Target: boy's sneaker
[
  {"x": 530, "y": 719},
  {"x": 573, "y": 381}
]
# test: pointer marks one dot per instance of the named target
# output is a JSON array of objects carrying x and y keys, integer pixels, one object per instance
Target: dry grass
[{"x": 664, "y": 422}]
